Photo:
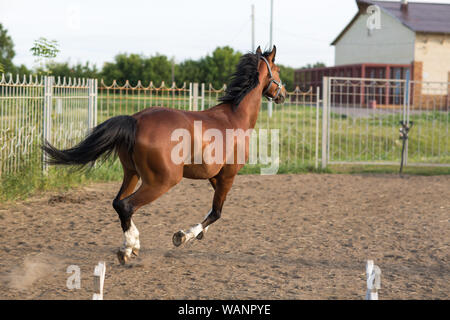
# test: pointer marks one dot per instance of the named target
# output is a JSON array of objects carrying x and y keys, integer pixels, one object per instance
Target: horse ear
[
  {"x": 273, "y": 53},
  {"x": 258, "y": 50}
]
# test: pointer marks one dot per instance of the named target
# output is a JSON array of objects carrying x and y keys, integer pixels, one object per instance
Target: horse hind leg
[
  {"x": 147, "y": 192},
  {"x": 131, "y": 242}
]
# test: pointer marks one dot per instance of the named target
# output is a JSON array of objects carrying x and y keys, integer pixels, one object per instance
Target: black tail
[{"x": 113, "y": 134}]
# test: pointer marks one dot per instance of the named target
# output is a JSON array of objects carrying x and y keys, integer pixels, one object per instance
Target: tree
[
  {"x": 125, "y": 67},
  {"x": 157, "y": 69},
  {"x": 219, "y": 66},
  {"x": 44, "y": 50},
  {"x": 287, "y": 77},
  {"x": 75, "y": 71},
  {"x": 189, "y": 71},
  {"x": 315, "y": 65},
  {"x": 136, "y": 67},
  {"x": 6, "y": 51}
]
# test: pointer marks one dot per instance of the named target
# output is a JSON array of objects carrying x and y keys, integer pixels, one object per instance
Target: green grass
[
  {"x": 284, "y": 169},
  {"x": 388, "y": 169},
  {"x": 30, "y": 179}
]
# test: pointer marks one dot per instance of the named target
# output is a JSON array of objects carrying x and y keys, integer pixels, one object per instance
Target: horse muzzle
[{"x": 281, "y": 96}]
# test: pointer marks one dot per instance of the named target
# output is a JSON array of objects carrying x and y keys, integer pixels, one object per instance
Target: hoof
[
  {"x": 179, "y": 238},
  {"x": 135, "y": 252},
  {"x": 123, "y": 259},
  {"x": 200, "y": 235}
]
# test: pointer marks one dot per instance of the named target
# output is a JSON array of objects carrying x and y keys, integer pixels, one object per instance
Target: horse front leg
[{"x": 222, "y": 185}]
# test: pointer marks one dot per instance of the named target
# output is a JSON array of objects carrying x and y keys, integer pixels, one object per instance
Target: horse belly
[{"x": 201, "y": 171}]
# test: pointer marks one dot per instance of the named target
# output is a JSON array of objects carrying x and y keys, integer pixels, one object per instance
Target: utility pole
[
  {"x": 253, "y": 28},
  {"x": 271, "y": 23},
  {"x": 269, "y": 105}
]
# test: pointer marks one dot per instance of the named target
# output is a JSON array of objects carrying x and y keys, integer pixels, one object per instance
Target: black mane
[{"x": 245, "y": 79}]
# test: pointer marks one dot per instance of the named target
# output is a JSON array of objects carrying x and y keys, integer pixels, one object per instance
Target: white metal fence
[
  {"x": 37, "y": 108},
  {"x": 357, "y": 122},
  {"x": 364, "y": 116}
]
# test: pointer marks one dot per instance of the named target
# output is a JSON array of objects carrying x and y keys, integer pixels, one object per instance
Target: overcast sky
[{"x": 97, "y": 30}]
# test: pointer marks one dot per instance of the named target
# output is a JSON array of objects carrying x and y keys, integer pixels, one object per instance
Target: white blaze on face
[{"x": 131, "y": 240}]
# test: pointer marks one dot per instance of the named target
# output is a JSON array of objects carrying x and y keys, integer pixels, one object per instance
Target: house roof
[{"x": 419, "y": 17}]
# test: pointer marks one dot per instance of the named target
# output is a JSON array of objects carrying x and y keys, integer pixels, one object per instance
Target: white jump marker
[
  {"x": 373, "y": 280},
  {"x": 99, "y": 279}
]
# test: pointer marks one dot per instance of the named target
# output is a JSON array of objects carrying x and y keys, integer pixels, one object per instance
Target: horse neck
[{"x": 248, "y": 109}]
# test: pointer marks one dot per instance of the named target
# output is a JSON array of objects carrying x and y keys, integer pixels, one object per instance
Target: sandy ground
[{"x": 280, "y": 237}]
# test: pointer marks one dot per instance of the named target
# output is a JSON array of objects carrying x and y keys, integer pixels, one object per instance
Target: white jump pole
[
  {"x": 373, "y": 280},
  {"x": 99, "y": 279}
]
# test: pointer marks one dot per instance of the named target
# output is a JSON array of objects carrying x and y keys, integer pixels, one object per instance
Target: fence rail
[{"x": 356, "y": 122}]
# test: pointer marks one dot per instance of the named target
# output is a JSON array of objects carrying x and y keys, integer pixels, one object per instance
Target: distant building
[{"x": 413, "y": 42}]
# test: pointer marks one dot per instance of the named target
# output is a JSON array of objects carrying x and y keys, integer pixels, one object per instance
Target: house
[{"x": 411, "y": 41}]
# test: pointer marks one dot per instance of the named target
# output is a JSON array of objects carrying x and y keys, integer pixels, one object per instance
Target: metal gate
[{"x": 362, "y": 118}]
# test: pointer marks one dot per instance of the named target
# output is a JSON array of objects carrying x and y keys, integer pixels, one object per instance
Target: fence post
[
  {"x": 90, "y": 106},
  {"x": 325, "y": 121},
  {"x": 195, "y": 97},
  {"x": 316, "y": 164},
  {"x": 47, "y": 117},
  {"x": 190, "y": 96},
  {"x": 92, "y": 103},
  {"x": 203, "y": 96},
  {"x": 95, "y": 96},
  {"x": 406, "y": 116}
]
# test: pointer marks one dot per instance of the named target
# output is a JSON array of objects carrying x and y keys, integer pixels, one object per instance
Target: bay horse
[{"x": 145, "y": 148}]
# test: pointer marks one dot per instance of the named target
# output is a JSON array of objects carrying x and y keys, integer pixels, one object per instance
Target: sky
[{"x": 97, "y": 30}]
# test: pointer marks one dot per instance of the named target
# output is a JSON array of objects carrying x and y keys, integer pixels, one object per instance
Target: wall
[
  {"x": 433, "y": 51},
  {"x": 393, "y": 43}
]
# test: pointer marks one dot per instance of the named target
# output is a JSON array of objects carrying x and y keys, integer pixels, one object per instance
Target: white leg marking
[
  {"x": 206, "y": 229},
  {"x": 137, "y": 243},
  {"x": 131, "y": 240},
  {"x": 193, "y": 232}
]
